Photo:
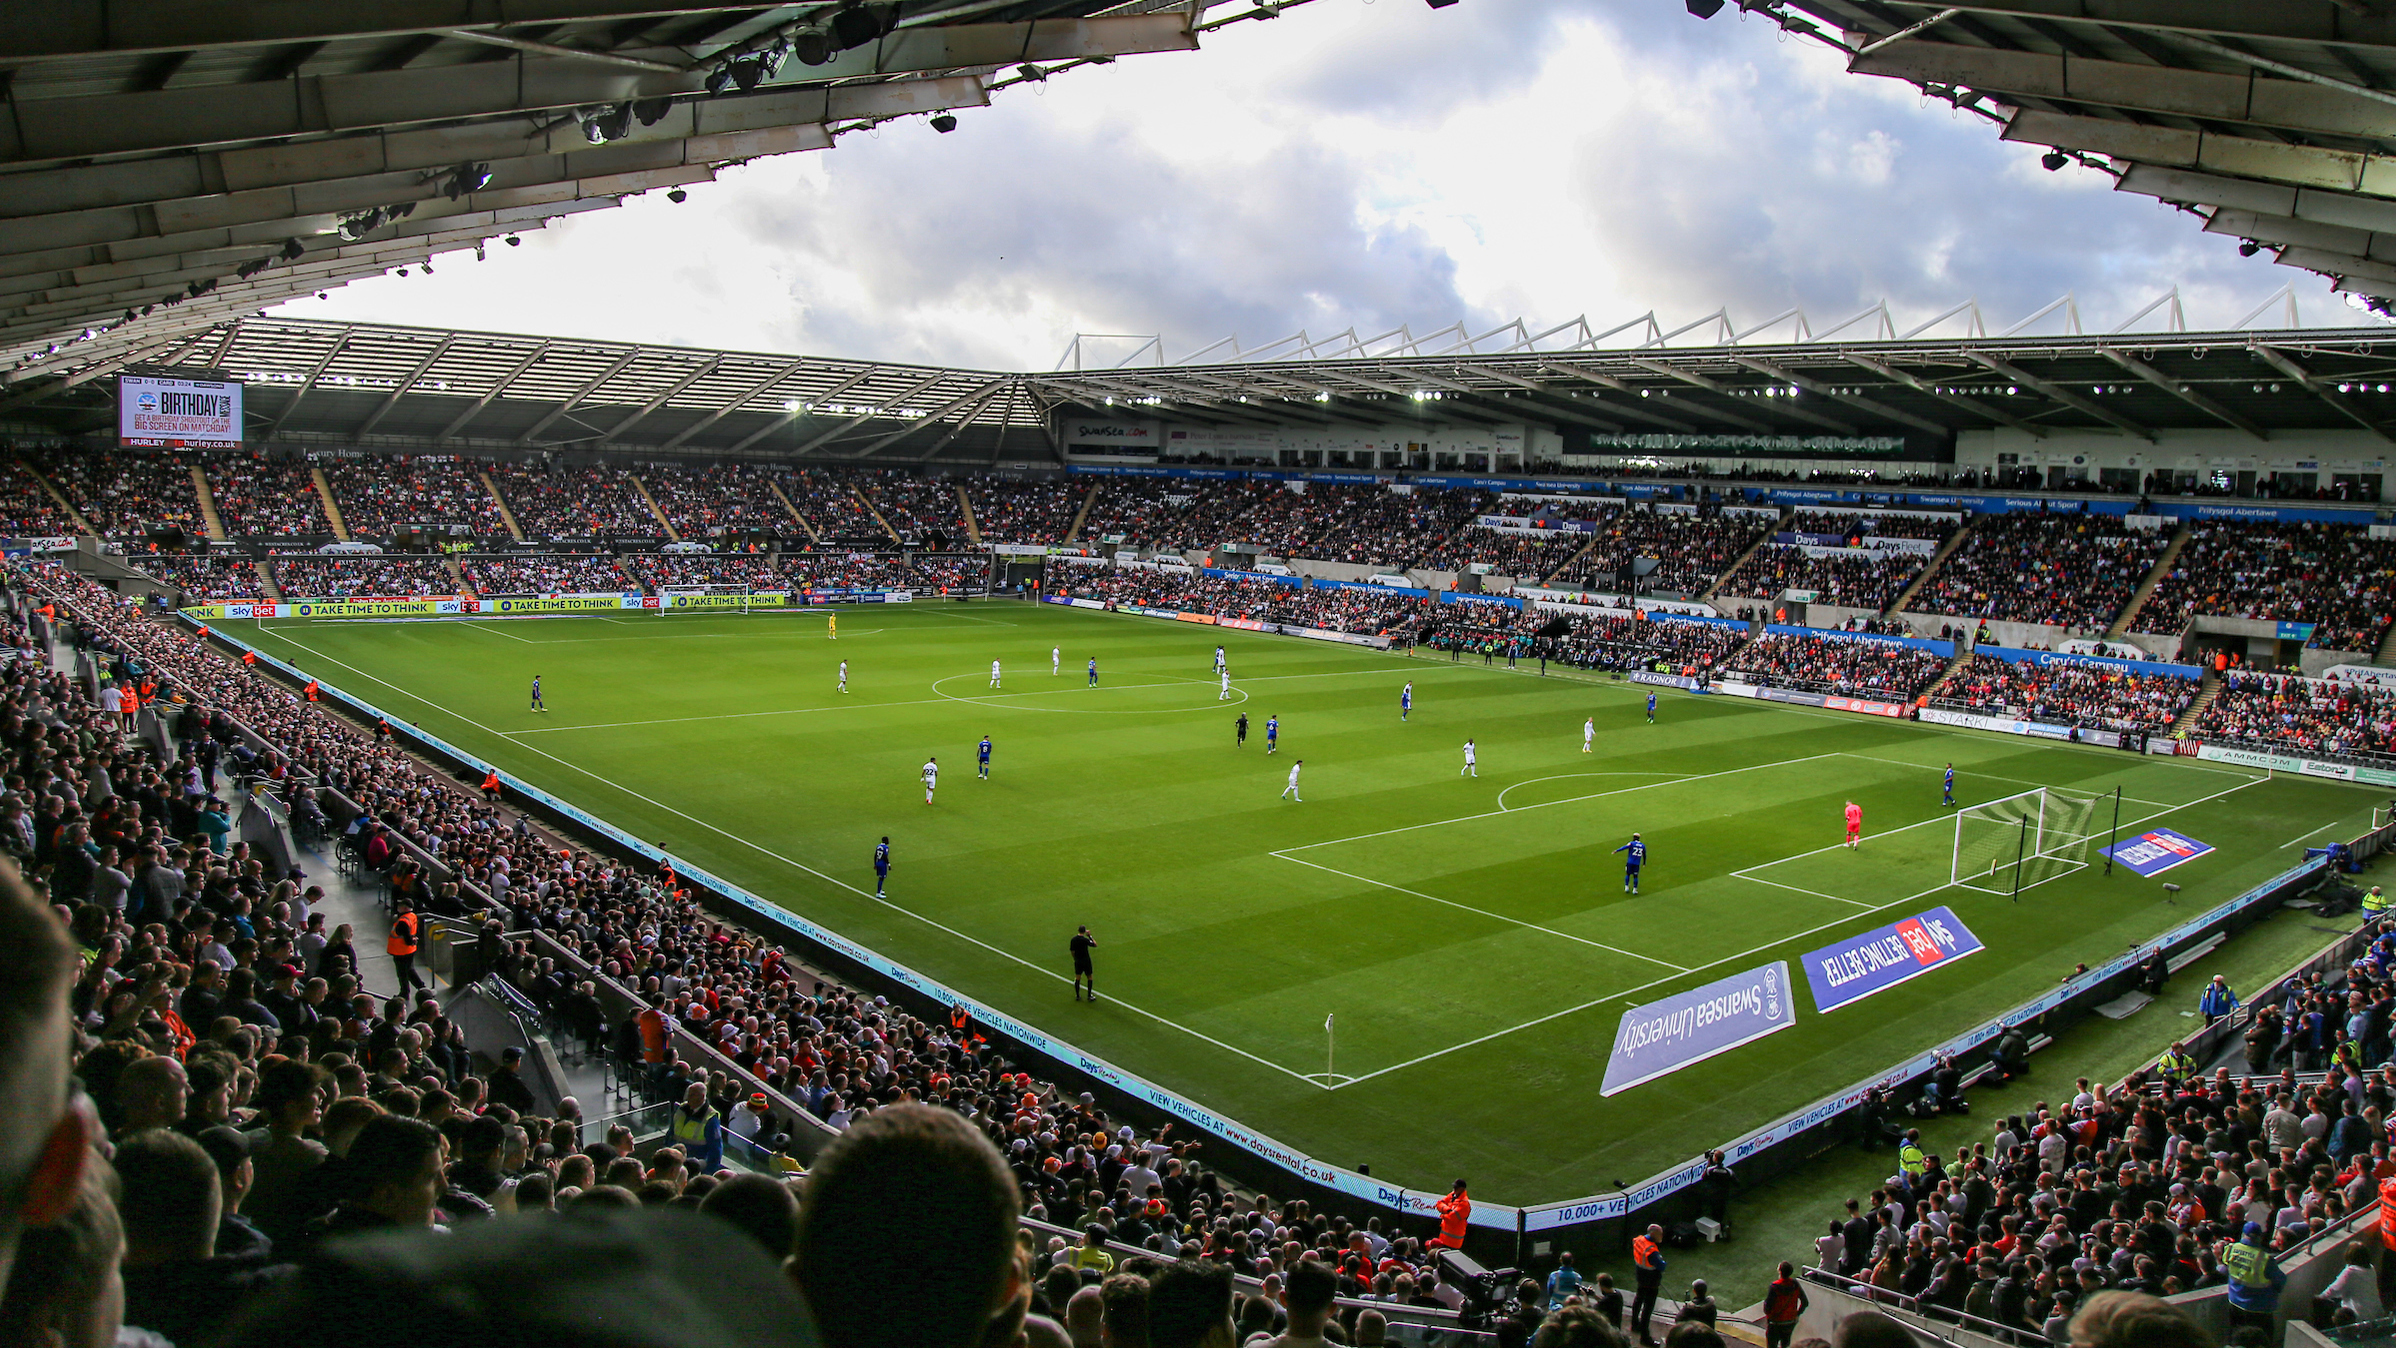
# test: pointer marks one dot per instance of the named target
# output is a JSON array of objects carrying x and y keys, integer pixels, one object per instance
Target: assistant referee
[{"x": 1081, "y": 945}]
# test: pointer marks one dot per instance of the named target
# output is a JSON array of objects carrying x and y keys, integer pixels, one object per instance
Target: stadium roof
[
  {"x": 165, "y": 165},
  {"x": 2270, "y": 121},
  {"x": 404, "y": 389}
]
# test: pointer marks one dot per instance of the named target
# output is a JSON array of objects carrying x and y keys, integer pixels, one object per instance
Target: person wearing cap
[
  {"x": 2255, "y": 1279},
  {"x": 750, "y": 1119},
  {"x": 2218, "y": 1000},
  {"x": 507, "y": 1082}
]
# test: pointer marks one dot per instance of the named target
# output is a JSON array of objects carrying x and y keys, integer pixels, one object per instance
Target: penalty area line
[{"x": 761, "y": 850}]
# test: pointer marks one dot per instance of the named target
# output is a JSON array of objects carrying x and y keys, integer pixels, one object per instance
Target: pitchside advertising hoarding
[
  {"x": 178, "y": 413},
  {"x": 1663, "y": 1037},
  {"x": 2157, "y": 850},
  {"x": 1880, "y": 959}
]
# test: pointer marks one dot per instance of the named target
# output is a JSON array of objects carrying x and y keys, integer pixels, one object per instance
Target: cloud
[{"x": 1367, "y": 166}]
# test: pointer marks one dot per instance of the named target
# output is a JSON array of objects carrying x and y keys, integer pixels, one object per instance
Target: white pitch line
[
  {"x": 1741, "y": 875},
  {"x": 1567, "y": 776},
  {"x": 1499, "y": 917},
  {"x": 2302, "y": 836},
  {"x": 1729, "y": 959},
  {"x": 827, "y": 879},
  {"x": 1985, "y": 776},
  {"x": 494, "y": 631},
  {"x": 1568, "y": 800}
]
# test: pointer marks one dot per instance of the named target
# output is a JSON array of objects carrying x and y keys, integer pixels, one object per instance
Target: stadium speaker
[{"x": 1705, "y": 9}]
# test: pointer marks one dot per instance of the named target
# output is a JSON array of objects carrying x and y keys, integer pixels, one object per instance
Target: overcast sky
[{"x": 1363, "y": 165}]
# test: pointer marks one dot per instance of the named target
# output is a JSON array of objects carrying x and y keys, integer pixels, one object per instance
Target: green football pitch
[{"x": 1470, "y": 933}]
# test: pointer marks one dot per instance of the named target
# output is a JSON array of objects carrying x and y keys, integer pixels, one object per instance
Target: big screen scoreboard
[{"x": 178, "y": 413}]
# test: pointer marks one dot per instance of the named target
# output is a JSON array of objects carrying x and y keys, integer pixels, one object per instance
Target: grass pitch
[{"x": 1471, "y": 933}]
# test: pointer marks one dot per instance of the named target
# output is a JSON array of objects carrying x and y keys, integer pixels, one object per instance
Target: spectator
[
  {"x": 43, "y": 1142},
  {"x": 1307, "y": 1291},
  {"x": 908, "y": 1189},
  {"x": 1189, "y": 1306},
  {"x": 66, "y": 1286}
]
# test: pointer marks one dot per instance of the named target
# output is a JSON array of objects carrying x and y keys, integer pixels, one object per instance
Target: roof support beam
[
  {"x": 1822, "y": 390},
  {"x": 756, "y": 390},
  {"x": 531, "y": 358},
  {"x": 575, "y": 399},
  {"x": 2363, "y": 21},
  {"x": 2208, "y": 152},
  {"x": 2185, "y": 392},
  {"x": 933, "y": 417},
  {"x": 2286, "y": 364},
  {"x": 383, "y": 409},
  {"x": 615, "y": 433},
  {"x": 1973, "y": 405},
  {"x": 69, "y": 28},
  {"x": 2060, "y": 394},
  {"x": 878, "y": 410},
  {"x": 1720, "y": 389},
  {"x": 331, "y": 352},
  {"x": 570, "y": 53}
]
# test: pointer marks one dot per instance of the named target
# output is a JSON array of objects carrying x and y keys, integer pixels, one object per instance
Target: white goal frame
[{"x": 2042, "y": 822}]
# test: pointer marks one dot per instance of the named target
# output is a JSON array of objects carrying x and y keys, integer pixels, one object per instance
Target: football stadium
[{"x": 1385, "y": 838}]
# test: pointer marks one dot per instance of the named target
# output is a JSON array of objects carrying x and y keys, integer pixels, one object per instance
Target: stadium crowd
[
  {"x": 544, "y": 573},
  {"x": 124, "y": 495},
  {"x": 202, "y": 579},
  {"x": 2288, "y": 711},
  {"x": 1870, "y": 580},
  {"x": 2073, "y": 571},
  {"x": 1368, "y": 524},
  {"x": 1015, "y": 510},
  {"x": 564, "y": 502},
  {"x": 917, "y": 507},
  {"x": 1857, "y": 525},
  {"x": 256, "y": 496},
  {"x": 938, "y": 573},
  {"x": 657, "y": 570},
  {"x": 314, "y": 576},
  {"x": 2087, "y": 694},
  {"x": 1528, "y": 557},
  {"x": 383, "y": 494},
  {"x": 719, "y": 499},
  {"x": 1138, "y": 509},
  {"x": 1363, "y": 609},
  {"x": 829, "y": 499},
  {"x": 1837, "y": 664},
  {"x": 2334, "y": 576},
  {"x": 1690, "y": 551},
  {"x": 27, "y": 511}
]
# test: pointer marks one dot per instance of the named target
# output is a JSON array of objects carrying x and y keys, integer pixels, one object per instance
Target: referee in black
[
  {"x": 1082, "y": 944},
  {"x": 1243, "y": 729}
]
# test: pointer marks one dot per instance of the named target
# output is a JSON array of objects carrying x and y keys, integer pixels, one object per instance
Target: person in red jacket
[{"x": 1455, "y": 1211}]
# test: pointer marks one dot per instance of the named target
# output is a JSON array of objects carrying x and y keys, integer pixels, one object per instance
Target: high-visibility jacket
[
  {"x": 2174, "y": 1064},
  {"x": 1911, "y": 1159},
  {"x": 1455, "y": 1214},
  {"x": 1647, "y": 1258},
  {"x": 491, "y": 781},
  {"x": 249, "y": 658},
  {"x": 404, "y": 931},
  {"x": 2252, "y": 1287},
  {"x": 2375, "y": 901}
]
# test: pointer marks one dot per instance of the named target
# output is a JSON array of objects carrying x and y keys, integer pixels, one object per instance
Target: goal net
[
  {"x": 702, "y": 599},
  {"x": 2005, "y": 846}
]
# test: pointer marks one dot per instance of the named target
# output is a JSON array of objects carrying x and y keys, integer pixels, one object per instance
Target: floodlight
[
  {"x": 678, "y": 196},
  {"x": 293, "y": 249},
  {"x": 944, "y": 124},
  {"x": 1031, "y": 72},
  {"x": 2054, "y": 159},
  {"x": 720, "y": 78},
  {"x": 512, "y": 241},
  {"x": 1705, "y": 9},
  {"x": 812, "y": 45},
  {"x": 857, "y": 25},
  {"x": 1439, "y": 4},
  {"x": 2248, "y": 248}
]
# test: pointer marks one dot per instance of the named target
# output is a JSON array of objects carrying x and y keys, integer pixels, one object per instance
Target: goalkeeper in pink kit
[{"x": 1855, "y": 823}]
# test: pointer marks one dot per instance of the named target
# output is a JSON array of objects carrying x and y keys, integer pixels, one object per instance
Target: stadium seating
[
  {"x": 124, "y": 494},
  {"x": 829, "y": 499},
  {"x": 260, "y": 497},
  {"x": 1851, "y": 580},
  {"x": 1359, "y": 609},
  {"x": 2070, "y": 571},
  {"x": 544, "y": 573},
  {"x": 2316, "y": 716},
  {"x": 204, "y": 580},
  {"x": 1138, "y": 509},
  {"x": 2090, "y": 695},
  {"x": 917, "y": 507},
  {"x": 706, "y": 503},
  {"x": 659, "y": 570},
  {"x": 1343, "y": 522},
  {"x": 382, "y": 495},
  {"x": 1013, "y": 510},
  {"x": 319, "y": 577},
  {"x": 2332, "y": 575},
  {"x": 1850, "y": 665},
  {"x": 1690, "y": 551},
  {"x": 562, "y": 502},
  {"x": 1529, "y": 558}
]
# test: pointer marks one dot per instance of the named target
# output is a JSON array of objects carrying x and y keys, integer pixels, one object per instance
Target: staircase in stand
[
  {"x": 2387, "y": 646},
  {"x": 654, "y": 507},
  {"x": 1089, "y": 498},
  {"x": 1737, "y": 562},
  {"x": 266, "y": 581},
  {"x": 2154, "y": 577},
  {"x": 457, "y": 572},
  {"x": 784, "y": 498},
  {"x": 332, "y": 508},
  {"x": 1574, "y": 560},
  {"x": 973, "y": 528},
  {"x": 506, "y": 515},
  {"x": 2206, "y": 694},
  {"x": 49, "y": 488},
  {"x": 213, "y": 522},
  {"x": 870, "y": 509},
  {"x": 1963, "y": 656},
  {"x": 1937, "y": 560}
]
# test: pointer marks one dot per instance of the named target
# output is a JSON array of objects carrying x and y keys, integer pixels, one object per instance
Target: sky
[{"x": 1364, "y": 165}]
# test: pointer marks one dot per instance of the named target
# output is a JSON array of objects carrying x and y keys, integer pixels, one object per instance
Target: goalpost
[
  {"x": 702, "y": 599},
  {"x": 2006, "y": 846}
]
